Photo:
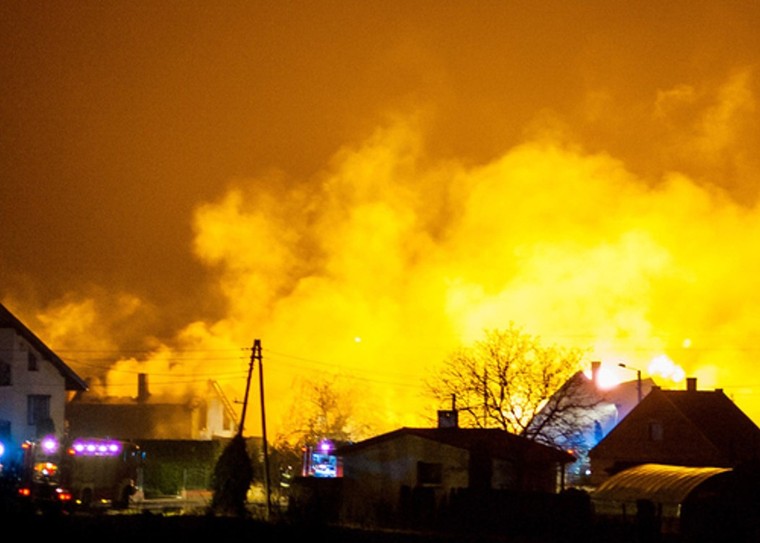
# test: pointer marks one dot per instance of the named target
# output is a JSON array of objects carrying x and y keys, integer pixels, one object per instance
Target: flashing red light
[
  {"x": 63, "y": 495},
  {"x": 25, "y": 492}
]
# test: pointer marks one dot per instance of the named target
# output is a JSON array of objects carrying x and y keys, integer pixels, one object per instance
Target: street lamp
[{"x": 638, "y": 378}]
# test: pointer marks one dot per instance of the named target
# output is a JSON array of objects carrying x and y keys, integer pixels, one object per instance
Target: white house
[{"x": 34, "y": 384}]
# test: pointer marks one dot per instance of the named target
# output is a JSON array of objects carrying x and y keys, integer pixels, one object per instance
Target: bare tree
[
  {"x": 511, "y": 381},
  {"x": 324, "y": 410}
]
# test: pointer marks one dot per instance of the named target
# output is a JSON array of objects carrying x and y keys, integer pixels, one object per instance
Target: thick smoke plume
[{"x": 381, "y": 264}]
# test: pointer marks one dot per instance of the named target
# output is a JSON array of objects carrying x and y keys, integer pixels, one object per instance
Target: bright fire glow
[
  {"x": 661, "y": 369},
  {"x": 607, "y": 377},
  {"x": 664, "y": 367},
  {"x": 596, "y": 183}
]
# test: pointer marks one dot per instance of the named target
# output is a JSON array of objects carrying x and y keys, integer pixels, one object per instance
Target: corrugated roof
[{"x": 659, "y": 483}]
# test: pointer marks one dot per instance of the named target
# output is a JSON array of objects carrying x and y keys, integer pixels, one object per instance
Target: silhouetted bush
[{"x": 232, "y": 478}]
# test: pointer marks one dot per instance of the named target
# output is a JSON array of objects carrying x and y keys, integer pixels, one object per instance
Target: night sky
[{"x": 365, "y": 186}]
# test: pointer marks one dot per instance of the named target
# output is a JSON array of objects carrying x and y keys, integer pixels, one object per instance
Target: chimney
[
  {"x": 595, "y": 372},
  {"x": 142, "y": 387},
  {"x": 691, "y": 384},
  {"x": 448, "y": 418}
]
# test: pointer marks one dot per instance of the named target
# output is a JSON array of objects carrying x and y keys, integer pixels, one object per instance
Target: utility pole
[
  {"x": 638, "y": 379},
  {"x": 256, "y": 354},
  {"x": 247, "y": 389}
]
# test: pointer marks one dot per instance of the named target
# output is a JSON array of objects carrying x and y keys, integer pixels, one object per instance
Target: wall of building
[
  {"x": 655, "y": 432},
  {"x": 377, "y": 478},
  {"x": 47, "y": 380}
]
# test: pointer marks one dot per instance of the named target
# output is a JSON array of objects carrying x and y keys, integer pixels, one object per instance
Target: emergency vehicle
[
  {"x": 84, "y": 472},
  {"x": 39, "y": 476}
]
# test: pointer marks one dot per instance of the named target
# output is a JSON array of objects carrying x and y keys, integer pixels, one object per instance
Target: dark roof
[
  {"x": 73, "y": 381},
  {"x": 499, "y": 443},
  {"x": 718, "y": 418},
  {"x": 709, "y": 413}
]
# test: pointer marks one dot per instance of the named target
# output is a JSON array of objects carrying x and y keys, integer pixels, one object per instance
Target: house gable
[
  {"x": 684, "y": 428},
  {"x": 33, "y": 386},
  {"x": 73, "y": 382},
  {"x": 656, "y": 431},
  {"x": 722, "y": 423}
]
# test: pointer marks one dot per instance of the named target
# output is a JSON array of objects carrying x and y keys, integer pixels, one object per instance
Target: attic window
[
  {"x": 32, "y": 361},
  {"x": 429, "y": 473},
  {"x": 5, "y": 374},
  {"x": 655, "y": 431}
]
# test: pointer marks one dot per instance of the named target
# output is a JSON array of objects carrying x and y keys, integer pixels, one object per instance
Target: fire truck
[
  {"x": 39, "y": 475},
  {"x": 84, "y": 472}
]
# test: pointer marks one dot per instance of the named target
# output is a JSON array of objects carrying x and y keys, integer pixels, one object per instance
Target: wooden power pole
[
  {"x": 257, "y": 355},
  {"x": 247, "y": 389}
]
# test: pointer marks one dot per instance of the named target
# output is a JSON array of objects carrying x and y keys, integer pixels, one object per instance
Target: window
[
  {"x": 5, "y": 374},
  {"x": 655, "y": 431},
  {"x": 5, "y": 430},
  {"x": 429, "y": 473},
  {"x": 37, "y": 409},
  {"x": 32, "y": 361}
]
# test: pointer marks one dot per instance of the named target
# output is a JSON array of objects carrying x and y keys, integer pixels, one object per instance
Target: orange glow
[
  {"x": 608, "y": 376},
  {"x": 661, "y": 369},
  {"x": 367, "y": 189}
]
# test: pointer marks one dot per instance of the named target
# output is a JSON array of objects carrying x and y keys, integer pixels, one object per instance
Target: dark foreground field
[
  {"x": 172, "y": 528},
  {"x": 150, "y": 527}
]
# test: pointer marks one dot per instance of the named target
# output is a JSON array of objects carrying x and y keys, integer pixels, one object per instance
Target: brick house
[{"x": 678, "y": 427}]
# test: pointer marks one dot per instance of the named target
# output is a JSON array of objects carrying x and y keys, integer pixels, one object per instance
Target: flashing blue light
[
  {"x": 49, "y": 445},
  {"x": 326, "y": 446}
]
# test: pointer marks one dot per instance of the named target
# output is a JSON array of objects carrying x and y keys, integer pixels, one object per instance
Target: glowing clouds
[
  {"x": 422, "y": 257},
  {"x": 662, "y": 366}
]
